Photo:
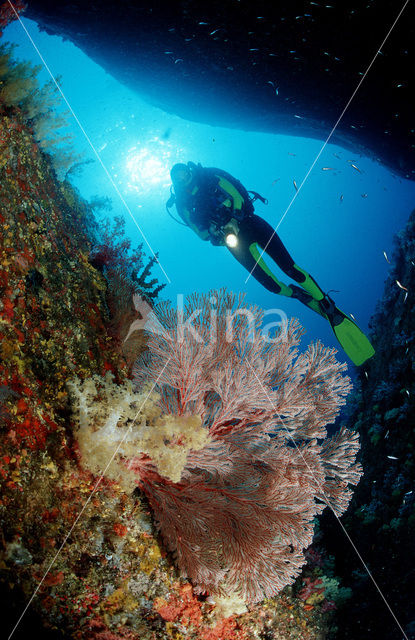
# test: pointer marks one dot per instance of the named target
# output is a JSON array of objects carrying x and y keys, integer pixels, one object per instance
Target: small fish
[
  {"x": 392, "y": 457},
  {"x": 406, "y": 295},
  {"x": 386, "y": 257},
  {"x": 273, "y": 86},
  {"x": 295, "y": 185},
  {"x": 212, "y": 33},
  {"x": 364, "y": 195},
  {"x": 357, "y": 168},
  {"x": 341, "y": 198},
  {"x": 203, "y": 23},
  {"x": 291, "y": 154},
  {"x": 178, "y": 60},
  {"x": 336, "y": 155},
  {"x": 275, "y": 181},
  {"x": 299, "y": 117},
  {"x": 387, "y": 435},
  {"x": 352, "y": 316},
  {"x": 401, "y": 285},
  {"x": 254, "y": 49},
  {"x": 413, "y": 263},
  {"x": 407, "y": 393},
  {"x": 168, "y": 53},
  {"x": 408, "y": 493},
  {"x": 327, "y": 168},
  {"x": 367, "y": 377}
]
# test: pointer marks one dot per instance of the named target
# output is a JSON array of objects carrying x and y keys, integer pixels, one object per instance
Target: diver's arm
[
  {"x": 235, "y": 201},
  {"x": 231, "y": 227},
  {"x": 203, "y": 234},
  {"x": 232, "y": 205},
  {"x": 184, "y": 213}
]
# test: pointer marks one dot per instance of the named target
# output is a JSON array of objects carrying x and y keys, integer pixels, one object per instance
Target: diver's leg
[
  {"x": 249, "y": 250},
  {"x": 245, "y": 253},
  {"x": 265, "y": 237},
  {"x": 254, "y": 234}
]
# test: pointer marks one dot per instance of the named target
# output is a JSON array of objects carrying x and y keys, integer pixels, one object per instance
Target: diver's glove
[
  {"x": 231, "y": 227},
  {"x": 215, "y": 234},
  {"x": 218, "y": 233}
]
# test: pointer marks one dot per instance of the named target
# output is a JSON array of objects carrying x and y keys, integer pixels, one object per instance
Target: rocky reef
[
  {"x": 55, "y": 319},
  {"x": 381, "y": 517},
  {"x": 285, "y": 67}
]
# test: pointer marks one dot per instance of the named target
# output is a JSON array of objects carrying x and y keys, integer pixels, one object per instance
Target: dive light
[{"x": 231, "y": 240}]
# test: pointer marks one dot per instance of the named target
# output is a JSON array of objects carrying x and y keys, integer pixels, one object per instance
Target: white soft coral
[{"x": 116, "y": 425}]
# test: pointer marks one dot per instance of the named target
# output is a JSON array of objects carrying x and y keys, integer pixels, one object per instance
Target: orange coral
[{"x": 182, "y": 606}]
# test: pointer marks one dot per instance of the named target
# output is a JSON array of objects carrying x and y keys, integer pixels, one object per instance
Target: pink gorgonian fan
[{"x": 242, "y": 514}]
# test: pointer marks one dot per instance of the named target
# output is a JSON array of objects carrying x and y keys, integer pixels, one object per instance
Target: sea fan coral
[{"x": 240, "y": 515}]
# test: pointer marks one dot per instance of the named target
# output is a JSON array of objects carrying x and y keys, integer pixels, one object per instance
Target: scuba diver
[{"x": 218, "y": 208}]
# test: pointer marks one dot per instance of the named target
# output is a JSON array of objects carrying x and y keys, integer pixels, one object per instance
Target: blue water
[{"x": 337, "y": 228}]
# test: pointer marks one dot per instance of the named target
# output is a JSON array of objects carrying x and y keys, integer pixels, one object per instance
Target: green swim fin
[
  {"x": 306, "y": 298},
  {"x": 352, "y": 339}
]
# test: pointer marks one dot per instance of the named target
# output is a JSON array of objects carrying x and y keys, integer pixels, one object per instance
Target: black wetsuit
[
  {"x": 255, "y": 231},
  {"x": 215, "y": 195}
]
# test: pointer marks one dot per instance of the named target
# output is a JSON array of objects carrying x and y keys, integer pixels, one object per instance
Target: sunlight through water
[{"x": 148, "y": 166}]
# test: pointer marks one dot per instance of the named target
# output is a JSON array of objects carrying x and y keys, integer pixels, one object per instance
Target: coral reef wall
[
  {"x": 54, "y": 321},
  {"x": 79, "y": 550},
  {"x": 381, "y": 518}
]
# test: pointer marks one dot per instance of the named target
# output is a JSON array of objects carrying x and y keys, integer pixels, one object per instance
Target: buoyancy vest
[
  {"x": 214, "y": 196},
  {"x": 218, "y": 196}
]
